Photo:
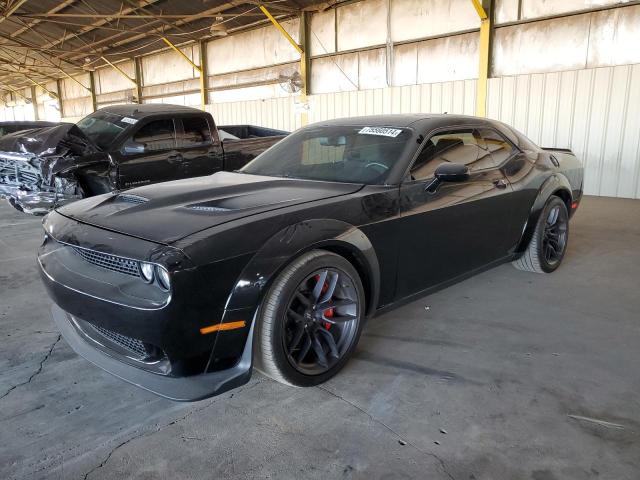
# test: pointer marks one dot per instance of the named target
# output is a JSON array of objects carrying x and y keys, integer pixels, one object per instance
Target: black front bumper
[
  {"x": 184, "y": 389},
  {"x": 150, "y": 337}
]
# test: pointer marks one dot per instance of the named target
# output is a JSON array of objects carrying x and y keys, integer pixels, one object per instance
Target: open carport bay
[{"x": 506, "y": 375}]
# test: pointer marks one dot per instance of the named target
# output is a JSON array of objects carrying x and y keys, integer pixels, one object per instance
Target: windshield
[
  {"x": 102, "y": 128},
  {"x": 336, "y": 153}
]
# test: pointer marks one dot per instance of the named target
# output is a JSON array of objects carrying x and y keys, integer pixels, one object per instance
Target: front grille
[
  {"x": 16, "y": 172},
  {"x": 110, "y": 262},
  {"x": 131, "y": 344},
  {"x": 29, "y": 177}
]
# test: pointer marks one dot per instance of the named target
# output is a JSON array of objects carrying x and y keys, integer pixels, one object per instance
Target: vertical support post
[
  {"x": 138, "y": 67},
  {"x": 301, "y": 49},
  {"x": 34, "y": 103},
  {"x": 92, "y": 85},
  {"x": 305, "y": 66},
  {"x": 59, "y": 95},
  {"x": 198, "y": 68},
  {"x": 485, "y": 51},
  {"x": 204, "y": 75}
]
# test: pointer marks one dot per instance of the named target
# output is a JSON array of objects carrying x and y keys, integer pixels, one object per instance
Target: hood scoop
[
  {"x": 239, "y": 203},
  {"x": 166, "y": 212},
  {"x": 208, "y": 208},
  {"x": 133, "y": 199}
]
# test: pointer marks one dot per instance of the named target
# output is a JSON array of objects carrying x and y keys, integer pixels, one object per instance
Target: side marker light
[{"x": 220, "y": 327}]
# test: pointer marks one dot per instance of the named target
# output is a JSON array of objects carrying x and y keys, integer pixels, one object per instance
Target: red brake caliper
[{"x": 329, "y": 311}]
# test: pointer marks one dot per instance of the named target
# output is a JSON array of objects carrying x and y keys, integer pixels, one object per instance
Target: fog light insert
[
  {"x": 163, "y": 278},
  {"x": 146, "y": 271}
]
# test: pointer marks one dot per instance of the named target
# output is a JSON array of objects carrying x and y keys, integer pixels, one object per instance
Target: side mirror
[
  {"x": 132, "y": 148},
  {"x": 448, "y": 172},
  {"x": 452, "y": 172}
]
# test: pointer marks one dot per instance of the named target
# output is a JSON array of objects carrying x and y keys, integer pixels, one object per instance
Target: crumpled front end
[{"x": 29, "y": 183}]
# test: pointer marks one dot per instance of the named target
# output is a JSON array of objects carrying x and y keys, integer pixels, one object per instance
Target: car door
[
  {"x": 516, "y": 167},
  {"x": 448, "y": 229},
  {"x": 201, "y": 152},
  {"x": 150, "y": 154}
]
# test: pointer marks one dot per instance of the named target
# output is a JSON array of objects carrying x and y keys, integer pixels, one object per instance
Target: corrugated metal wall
[
  {"x": 284, "y": 113},
  {"x": 595, "y": 112}
]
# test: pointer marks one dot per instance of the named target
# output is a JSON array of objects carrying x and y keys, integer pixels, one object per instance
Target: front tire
[
  {"x": 549, "y": 241},
  {"x": 310, "y": 320}
]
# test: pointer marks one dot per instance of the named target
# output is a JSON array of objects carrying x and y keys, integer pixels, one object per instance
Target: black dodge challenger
[{"x": 182, "y": 287}]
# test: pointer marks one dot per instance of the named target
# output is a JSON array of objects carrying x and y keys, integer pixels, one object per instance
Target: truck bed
[{"x": 250, "y": 142}]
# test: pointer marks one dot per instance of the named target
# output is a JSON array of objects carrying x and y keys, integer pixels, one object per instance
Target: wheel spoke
[
  {"x": 330, "y": 341},
  {"x": 317, "y": 290},
  {"x": 296, "y": 339},
  {"x": 342, "y": 303},
  {"x": 331, "y": 288},
  {"x": 303, "y": 299},
  {"x": 304, "y": 350},
  {"x": 319, "y": 351},
  {"x": 295, "y": 315},
  {"x": 343, "y": 318}
]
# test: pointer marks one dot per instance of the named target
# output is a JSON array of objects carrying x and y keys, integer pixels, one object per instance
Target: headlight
[
  {"x": 146, "y": 272},
  {"x": 163, "y": 278}
]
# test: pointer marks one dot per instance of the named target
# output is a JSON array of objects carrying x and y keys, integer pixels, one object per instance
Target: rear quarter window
[{"x": 195, "y": 132}]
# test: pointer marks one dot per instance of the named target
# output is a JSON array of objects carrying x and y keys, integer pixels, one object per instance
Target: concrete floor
[{"x": 507, "y": 375}]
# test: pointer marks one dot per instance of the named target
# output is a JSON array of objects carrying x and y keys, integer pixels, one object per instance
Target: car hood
[
  {"x": 56, "y": 140},
  {"x": 167, "y": 212}
]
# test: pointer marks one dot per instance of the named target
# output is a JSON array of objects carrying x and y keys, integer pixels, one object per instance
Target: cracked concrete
[
  {"x": 530, "y": 376},
  {"x": 39, "y": 369},
  {"x": 401, "y": 440}
]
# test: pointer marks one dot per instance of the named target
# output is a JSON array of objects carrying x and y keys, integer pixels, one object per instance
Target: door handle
[
  {"x": 500, "y": 183},
  {"x": 175, "y": 158}
]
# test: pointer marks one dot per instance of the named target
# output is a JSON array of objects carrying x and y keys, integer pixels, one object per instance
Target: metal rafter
[
  {"x": 49, "y": 55},
  {"x": 158, "y": 31},
  {"x": 11, "y": 9}
]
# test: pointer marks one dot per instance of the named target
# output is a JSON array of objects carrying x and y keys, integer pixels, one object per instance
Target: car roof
[
  {"x": 142, "y": 110},
  {"x": 405, "y": 120},
  {"x": 29, "y": 122}
]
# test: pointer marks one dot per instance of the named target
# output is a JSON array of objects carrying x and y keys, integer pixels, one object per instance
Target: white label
[
  {"x": 381, "y": 131},
  {"x": 132, "y": 121}
]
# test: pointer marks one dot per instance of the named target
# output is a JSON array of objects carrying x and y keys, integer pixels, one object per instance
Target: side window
[
  {"x": 195, "y": 132},
  {"x": 156, "y": 135},
  {"x": 497, "y": 145},
  {"x": 455, "y": 146}
]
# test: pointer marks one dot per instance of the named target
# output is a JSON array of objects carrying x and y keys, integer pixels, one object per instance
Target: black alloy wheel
[
  {"x": 549, "y": 241},
  {"x": 310, "y": 319},
  {"x": 554, "y": 237},
  {"x": 321, "y": 321}
]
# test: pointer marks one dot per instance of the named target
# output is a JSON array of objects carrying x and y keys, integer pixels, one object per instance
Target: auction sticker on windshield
[
  {"x": 381, "y": 131},
  {"x": 132, "y": 121}
]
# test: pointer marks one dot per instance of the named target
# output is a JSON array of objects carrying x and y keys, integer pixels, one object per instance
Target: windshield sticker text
[
  {"x": 132, "y": 121},
  {"x": 381, "y": 131}
]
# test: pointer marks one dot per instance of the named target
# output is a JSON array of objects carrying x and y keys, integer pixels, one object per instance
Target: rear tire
[
  {"x": 549, "y": 241},
  {"x": 310, "y": 320}
]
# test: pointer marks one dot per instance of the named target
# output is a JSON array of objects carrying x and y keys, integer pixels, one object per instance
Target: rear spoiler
[{"x": 564, "y": 150}]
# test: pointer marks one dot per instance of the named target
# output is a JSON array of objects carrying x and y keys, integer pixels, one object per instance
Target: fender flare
[
  {"x": 556, "y": 184},
  {"x": 291, "y": 242}
]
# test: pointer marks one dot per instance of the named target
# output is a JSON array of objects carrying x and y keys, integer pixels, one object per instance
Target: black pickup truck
[
  {"x": 16, "y": 126},
  {"x": 120, "y": 147}
]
